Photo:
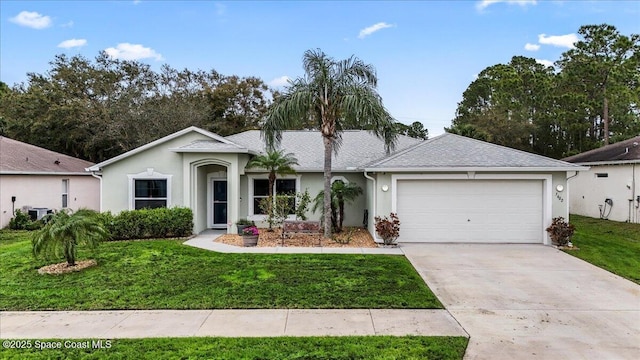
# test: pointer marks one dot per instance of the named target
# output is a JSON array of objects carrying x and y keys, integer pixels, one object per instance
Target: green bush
[
  {"x": 22, "y": 221},
  {"x": 149, "y": 223}
]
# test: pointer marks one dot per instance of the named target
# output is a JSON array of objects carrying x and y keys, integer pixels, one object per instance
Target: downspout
[
  {"x": 93, "y": 173},
  {"x": 569, "y": 195},
  {"x": 372, "y": 212},
  {"x": 633, "y": 196}
]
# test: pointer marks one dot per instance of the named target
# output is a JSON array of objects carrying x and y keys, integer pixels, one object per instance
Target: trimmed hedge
[{"x": 149, "y": 223}]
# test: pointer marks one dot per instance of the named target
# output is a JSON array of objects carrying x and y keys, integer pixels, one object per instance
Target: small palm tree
[
  {"x": 276, "y": 162},
  {"x": 333, "y": 95},
  {"x": 64, "y": 231},
  {"x": 341, "y": 193}
]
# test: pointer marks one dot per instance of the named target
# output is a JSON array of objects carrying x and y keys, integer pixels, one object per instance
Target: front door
[{"x": 219, "y": 203}]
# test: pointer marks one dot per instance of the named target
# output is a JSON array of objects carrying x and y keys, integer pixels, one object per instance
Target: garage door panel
[{"x": 470, "y": 210}]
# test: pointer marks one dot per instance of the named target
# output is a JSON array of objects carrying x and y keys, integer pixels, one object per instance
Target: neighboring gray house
[
  {"x": 446, "y": 189},
  {"x": 611, "y": 188},
  {"x": 33, "y": 178}
]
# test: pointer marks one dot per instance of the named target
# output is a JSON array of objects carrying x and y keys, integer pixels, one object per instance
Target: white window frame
[
  {"x": 150, "y": 174},
  {"x": 65, "y": 193},
  {"x": 250, "y": 208}
]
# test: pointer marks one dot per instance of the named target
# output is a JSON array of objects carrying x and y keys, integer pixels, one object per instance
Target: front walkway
[
  {"x": 205, "y": 240},
  {"x": 225, "y": 323}
]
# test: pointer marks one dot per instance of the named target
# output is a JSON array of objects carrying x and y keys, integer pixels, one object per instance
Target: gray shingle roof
[
  {"x": 19, "y": 157},
  {"x": 358, "y": 148},
  {"x": 623, "y": 151},
  {"x": 454, "y": 151}
]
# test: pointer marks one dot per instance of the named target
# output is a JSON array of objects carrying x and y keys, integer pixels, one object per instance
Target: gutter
[
  {"x": 375, "y": 206},
  {"x": 99, "y": 177}
]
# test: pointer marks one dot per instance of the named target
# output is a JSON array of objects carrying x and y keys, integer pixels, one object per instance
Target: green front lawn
[
  {"x": 164, "y": 274},
  {"x": 352, "y": 347},
  {"x": 611, "y": 245}
]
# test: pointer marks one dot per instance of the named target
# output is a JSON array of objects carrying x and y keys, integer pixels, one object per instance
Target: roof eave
[
  {"x": 608, "y": 162},
  {"x": 476, "y": 169},
  {"x": 227, "y": 151},
  {"x": 62, "y": 173}
]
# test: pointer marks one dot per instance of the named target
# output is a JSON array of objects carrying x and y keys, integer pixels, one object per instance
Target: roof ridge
[
  {"x": 510, "y": 148},
  {"x": 403, "y": 151}
]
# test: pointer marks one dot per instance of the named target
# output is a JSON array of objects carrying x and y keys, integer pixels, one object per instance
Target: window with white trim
[
  {"x": 149, "y": 193},
  {"x": 65, "y": 193},
  {"x": 260, "y": 187}
]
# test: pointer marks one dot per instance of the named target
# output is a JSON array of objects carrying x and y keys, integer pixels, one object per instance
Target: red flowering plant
[
  {"x": 250, "y": 231},
  {"x": 388, "y": 228}
]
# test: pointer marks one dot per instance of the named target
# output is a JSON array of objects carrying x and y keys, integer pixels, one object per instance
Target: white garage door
[{"x": 478, "y": 211}]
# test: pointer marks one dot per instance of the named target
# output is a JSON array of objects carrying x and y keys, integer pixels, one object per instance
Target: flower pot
[
  {"x": 240, "y": 228},
  {"x": 250, "y": 240}
]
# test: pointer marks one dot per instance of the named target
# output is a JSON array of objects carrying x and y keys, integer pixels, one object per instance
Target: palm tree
[
  {"x": 334, "y": 95},
  {"x": 277, "y": 163},
  {"x": 341, "y": 193},
  {"x": 63, "y": 233}
]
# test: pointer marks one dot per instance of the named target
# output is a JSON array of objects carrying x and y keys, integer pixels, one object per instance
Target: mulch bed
[
  {"x": 62, "y": 268},
  {"x": 349, "y": 237}
]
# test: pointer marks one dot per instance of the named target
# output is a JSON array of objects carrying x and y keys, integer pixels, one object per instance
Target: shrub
[
  {"x": 560, "y": 231},
  {"x": 22, "y": 221},
  {"x": 303, "y": 199},
  {"x": 149, "y": 223},
  {"x": 388, "y": 228}
]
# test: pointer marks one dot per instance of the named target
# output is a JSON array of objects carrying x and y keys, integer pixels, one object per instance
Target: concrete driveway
[{"x": 532, "y": 301}]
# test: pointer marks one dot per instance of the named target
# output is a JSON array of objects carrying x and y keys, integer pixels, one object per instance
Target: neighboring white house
[
  {"x": 35, "y": 178},
  {"x": 611, "y": 188},
  {"x": 446, "y": 189}
]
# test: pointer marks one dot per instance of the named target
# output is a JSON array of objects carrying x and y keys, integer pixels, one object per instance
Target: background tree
[
  {"x": 331, "y": 94},
  {"x": 603, "y": 67},
  {"x": 63, "y": 233},
  {"x": 415, "y": 130},
  {"x": 100, "y": 108}
]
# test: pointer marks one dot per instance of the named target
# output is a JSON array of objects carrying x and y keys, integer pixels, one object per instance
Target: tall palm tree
[
  {"x": 64, "y": 231},
  {"x": 341, "y": 193},
  {"x": 334, "y": 95}
]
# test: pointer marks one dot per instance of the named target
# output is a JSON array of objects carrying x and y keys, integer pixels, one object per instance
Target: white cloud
[
  {"x": 136, "y": 2},
  {"x": 544, "y": 62},
  {"x": 558, "y": 40},
  {"x": 221, "y": 8},
  {"x": 32, "y": 19},
  {"x": 483, "y": 4},
  {"x": 68, "y": 24},
  {"x": 71, "y": 43},
  {"x": 531, "y": 47},
  {"x": 280, "y": 81},
  {"x": 373, "y": 28},
  {"x": 126, "y": 51}
]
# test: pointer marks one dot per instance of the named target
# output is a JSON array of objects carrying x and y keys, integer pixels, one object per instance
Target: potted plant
[
  {"x": 250, "y": 236},
  {"x": 560, "y": 231},
  {"x": 243, "y": 223},
  {"x": 388, "y": 228}
]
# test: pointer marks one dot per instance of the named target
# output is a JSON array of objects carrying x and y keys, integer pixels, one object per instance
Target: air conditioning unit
[{"x": 39, "y": 213}]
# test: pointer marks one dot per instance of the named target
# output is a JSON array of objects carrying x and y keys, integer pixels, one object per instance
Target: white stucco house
[
  {"x": 35, "y": 178},
  {"x": 445, "y": 189},
  {"x": 611, "y": 187}
]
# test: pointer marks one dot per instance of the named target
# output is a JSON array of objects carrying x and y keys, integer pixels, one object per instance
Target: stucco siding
[
  {"x": 588, "y": 192},
  {"x": 159, "y": 158},
  {"x": 45, "y": 191}
]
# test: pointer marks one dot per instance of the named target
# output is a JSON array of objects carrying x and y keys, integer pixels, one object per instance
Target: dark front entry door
[{"x": 219, "y": 203}]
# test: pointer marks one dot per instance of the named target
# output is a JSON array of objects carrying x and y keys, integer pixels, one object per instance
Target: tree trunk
[
  {"x": 328, "y": 149},
  {"x": 340, "y": 214},
  {"x": 605, "y": 119},
  {"x": 272, "y": 181}
]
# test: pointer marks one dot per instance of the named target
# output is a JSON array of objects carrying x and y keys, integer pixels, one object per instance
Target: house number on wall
[{"x": 559, "y": 197}]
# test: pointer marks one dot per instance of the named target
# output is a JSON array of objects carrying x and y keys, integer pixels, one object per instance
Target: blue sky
[{"x": 426, "y": 52}]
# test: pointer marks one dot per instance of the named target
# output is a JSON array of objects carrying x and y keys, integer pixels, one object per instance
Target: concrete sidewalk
[
  {"x": 225, "y": 323},
  {"x": 206, "y": 240}
]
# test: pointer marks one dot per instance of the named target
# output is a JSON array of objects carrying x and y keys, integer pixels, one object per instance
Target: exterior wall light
[
  {"x": 560, "y": 188},
  {"x": 385, "y": 188}
]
